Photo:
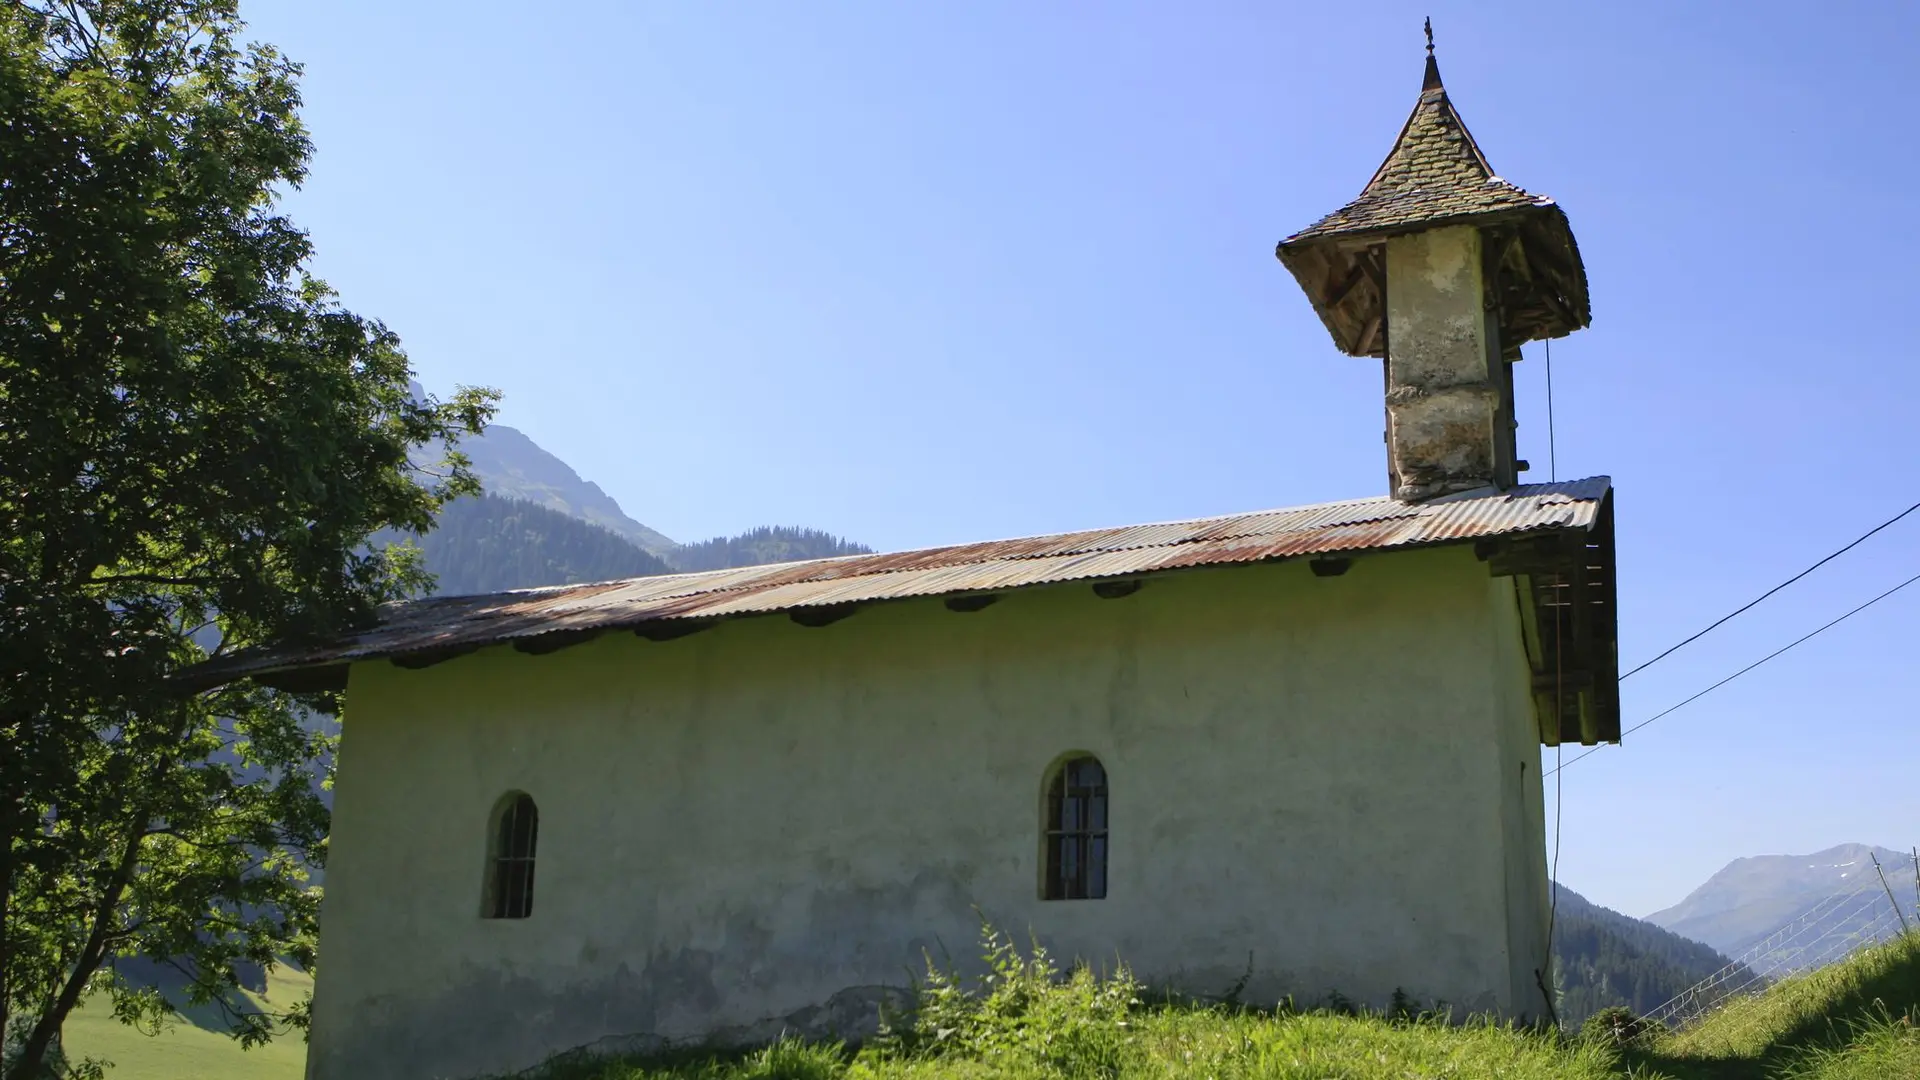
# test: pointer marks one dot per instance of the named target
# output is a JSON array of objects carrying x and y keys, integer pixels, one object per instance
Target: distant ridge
[
  {"x": 766, "y": 544},
  {"x": 521, "y": 533},
  {"x": 492, "y": 544},
  {"x": 1750, "y": 898},
  {"x": 513, "y": 465}
]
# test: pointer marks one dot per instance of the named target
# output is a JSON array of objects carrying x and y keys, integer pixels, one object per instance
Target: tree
[{"x": 196, "y": 441}]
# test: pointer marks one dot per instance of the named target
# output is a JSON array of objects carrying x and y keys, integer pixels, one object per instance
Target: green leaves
[
  {"x": 1021, "y": 1012},
  {"x": 196, "y": 441}
]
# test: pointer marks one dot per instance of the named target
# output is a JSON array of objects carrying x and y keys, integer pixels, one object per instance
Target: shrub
[
  {"x": 1020, "y": 1012},
  {"x": 1616, "y": 1025}
]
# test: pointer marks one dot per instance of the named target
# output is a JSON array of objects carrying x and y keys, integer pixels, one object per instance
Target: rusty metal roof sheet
[{"x": 457, "y": 623}]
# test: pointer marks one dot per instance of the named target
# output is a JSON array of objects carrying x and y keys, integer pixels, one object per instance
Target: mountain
[
  {"x": 540, "y": 523},
  {"x": 491, "y": 544},
  {"x": 515, "y": 469},
  {"x": 767, "y": 544},
  {"x": 1603, "y": 958},
  {"x": 1749, "y": 899},
  {"x": 512, "y": 465}
]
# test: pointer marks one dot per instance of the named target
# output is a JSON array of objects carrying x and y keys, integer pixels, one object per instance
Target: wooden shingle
[{"x": 1437, "y": 176}]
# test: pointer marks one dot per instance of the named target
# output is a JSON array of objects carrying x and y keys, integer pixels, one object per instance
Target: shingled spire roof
[
  {"x": 1436, "y": 172},
  {"x": 1436, "y": 175}
]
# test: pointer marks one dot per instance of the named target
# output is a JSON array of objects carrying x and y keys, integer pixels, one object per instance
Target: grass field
[
  {"x": 194, "y": 1048},
  {"x": 1857, "y": 1020}
]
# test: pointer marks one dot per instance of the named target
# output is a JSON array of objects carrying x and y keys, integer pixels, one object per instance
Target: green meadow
[
  {"x": 1855, "y": 1020},
  {"x": 194, "y": 1046}
]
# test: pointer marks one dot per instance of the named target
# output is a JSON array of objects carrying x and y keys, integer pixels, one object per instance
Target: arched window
[
  {"x": 510, "y": 861},
  {"x": 1077, "y": 831}
]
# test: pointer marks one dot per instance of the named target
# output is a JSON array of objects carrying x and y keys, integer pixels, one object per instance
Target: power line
[
  {"x": 1750, "y": 667},
  {"x": 1553, "y": 454},
  {"x": 1553, "y": 875},
  {"x": 1756, "y": 600},
  {"x": 1559, "y": 789}
]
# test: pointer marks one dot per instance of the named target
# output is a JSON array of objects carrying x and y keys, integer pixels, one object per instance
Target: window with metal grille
[
  {"x": 510, "y": 880},
  {"x": 1077, "y": 831}
]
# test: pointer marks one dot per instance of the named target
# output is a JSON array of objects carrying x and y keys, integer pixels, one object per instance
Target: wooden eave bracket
[
  {"x": 306, "y": 680},
  {"x": 821, "y": 614},
  {"x": 554, "y": 641},
  {"x": 1565, "y": 592},
  {"x": 426, "y": 658},
  {"x": 669, "y": 629}
]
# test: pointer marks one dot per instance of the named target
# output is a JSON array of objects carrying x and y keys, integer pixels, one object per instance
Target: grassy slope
[
  {"x": 1194, "y": 1044},
  {"x": 1857, "y": 1020},
  {"x": 191, "y": 1049}
]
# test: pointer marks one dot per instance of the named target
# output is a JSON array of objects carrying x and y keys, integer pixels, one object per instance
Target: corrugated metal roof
[{"x": 461, "y": 622}]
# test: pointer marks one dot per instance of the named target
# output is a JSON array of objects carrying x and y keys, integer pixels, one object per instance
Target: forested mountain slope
[
  {"x": 512, "y": 465},
  {"x": 767, "y": 544},
  {"x": 1605, "y": 958},
  {"x": 491, "y": 544}
]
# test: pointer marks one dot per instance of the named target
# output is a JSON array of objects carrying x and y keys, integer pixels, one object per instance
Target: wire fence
[{"x": 1864, "y": 914}]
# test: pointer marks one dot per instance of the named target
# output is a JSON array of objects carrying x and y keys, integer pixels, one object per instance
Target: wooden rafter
[{"x": 1566, "y": 595}]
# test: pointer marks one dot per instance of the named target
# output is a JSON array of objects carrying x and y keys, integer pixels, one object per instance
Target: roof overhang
[
  {"x": 1532, "y": 262},
  {"x": 426, "y": 632},
  {"x": 1564, "y": 586}
]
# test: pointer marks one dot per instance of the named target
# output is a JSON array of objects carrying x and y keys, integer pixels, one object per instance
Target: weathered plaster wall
[
  {"x": 737, "y": 826},
  {"x": 1443, "y": 402},
  {"x": 1523, "y": 813}
]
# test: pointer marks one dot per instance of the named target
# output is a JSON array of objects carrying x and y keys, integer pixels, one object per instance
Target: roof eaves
[{"x": 456, "y": 624}]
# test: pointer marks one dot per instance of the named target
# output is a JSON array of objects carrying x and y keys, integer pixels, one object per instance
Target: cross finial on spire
[{"x": 1432, "y": 80}]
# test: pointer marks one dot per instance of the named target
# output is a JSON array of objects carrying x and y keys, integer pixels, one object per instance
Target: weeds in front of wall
[
  {"x": 1024, "y": 1018},
  {"x": 1020, "y": 1010}
]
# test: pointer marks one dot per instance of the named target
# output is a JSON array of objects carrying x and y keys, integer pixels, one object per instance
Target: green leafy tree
[{"x": 196, "y": 441}]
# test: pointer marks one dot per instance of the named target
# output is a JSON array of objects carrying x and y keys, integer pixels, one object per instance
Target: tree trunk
[
  {"x": 33, "y": 1052},
  {"x": 9, "y": 811}
]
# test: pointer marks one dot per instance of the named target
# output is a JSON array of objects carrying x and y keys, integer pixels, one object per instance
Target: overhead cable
[
  {"x": 1717, "y": 623},
  {"x": 1749, "y": 667}
]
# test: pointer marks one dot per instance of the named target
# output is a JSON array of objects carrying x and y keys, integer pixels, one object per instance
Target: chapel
[{"x": 1291, "y": 750}]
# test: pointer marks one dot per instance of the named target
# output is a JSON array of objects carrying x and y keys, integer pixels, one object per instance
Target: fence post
[{"x": 1901, "y": 915}]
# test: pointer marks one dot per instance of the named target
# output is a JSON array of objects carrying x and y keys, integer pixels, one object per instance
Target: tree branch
[
  {"x": 54, "y": 1017},
  {"x": 147, "y": 579}
]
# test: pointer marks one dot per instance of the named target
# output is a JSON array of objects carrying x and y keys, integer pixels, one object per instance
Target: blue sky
[{"x": 928, "y": 273}]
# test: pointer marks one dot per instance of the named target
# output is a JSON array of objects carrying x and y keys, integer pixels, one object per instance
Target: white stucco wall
[{"x": 1336, "y": 776}]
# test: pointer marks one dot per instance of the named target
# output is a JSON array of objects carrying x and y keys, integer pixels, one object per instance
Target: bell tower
[{"x": 1443, "y": 270}]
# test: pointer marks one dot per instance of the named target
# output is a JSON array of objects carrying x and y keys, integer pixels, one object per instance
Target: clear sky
[{"x": 923, "y": 273}]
